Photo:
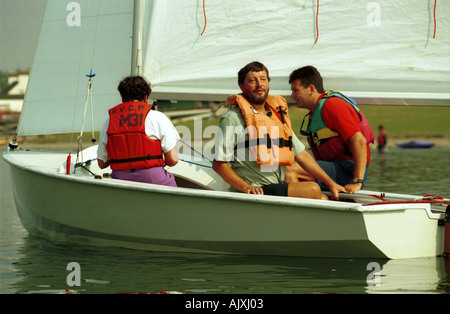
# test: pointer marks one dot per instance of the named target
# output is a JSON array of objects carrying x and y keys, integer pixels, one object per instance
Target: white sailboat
[{"x": 190, "y": 52}]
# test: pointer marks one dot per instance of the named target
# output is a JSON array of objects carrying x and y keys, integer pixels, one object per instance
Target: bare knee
[
  {"x": 316, "y": 192},
  {"x": 306, "y": 190}
]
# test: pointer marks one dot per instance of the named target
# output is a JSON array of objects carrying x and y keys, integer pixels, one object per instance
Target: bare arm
[
  {"x": 102, "y": 164},
  {"x": 358, "y": 147},
  {"x": 308, "y": 163},
  {"x": 171, "y": 157},
  {"x": 232, "y": 178}
]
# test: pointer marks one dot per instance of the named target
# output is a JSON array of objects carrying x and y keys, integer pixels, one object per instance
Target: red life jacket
[{"x": 128, "y": 145}]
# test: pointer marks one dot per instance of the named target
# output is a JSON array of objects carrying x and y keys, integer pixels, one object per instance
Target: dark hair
[
  {"x": 134, "y": 88},
  {"x": 252, "y": 67},
  {"x": 308, "y": 75}
]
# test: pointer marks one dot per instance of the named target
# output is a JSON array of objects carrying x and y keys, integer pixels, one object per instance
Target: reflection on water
[
  {"x": 422, "y": 275},
  {"x": 35, "y": 265},
  {"x": 42, "y": 269}
]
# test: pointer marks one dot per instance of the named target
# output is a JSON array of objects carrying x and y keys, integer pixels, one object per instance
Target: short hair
[
  {"x": 134, "y": 88},
  {"x": 252, "y": 67},
  {"x": 308, "y": 75}
]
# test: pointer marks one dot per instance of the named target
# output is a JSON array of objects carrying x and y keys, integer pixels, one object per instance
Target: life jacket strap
[
  {"x": 149, "y": 157},
  {"x": 269, "y": 142}
]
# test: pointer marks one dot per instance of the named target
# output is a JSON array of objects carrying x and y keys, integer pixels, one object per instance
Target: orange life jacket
[
  {"x": 270, "y": 139},
  {"x": 128, "y": 145}
]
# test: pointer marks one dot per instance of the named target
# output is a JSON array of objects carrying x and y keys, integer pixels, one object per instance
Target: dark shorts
[
  {"x": 341, "y": 171},
  {"x": 280, "y": 189}
]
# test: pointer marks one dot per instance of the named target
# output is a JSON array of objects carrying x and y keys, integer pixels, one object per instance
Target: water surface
[{"x": 34, "y": 265}]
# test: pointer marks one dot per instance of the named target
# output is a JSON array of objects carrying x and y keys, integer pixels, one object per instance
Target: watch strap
[{"x": 357, "y": 180}]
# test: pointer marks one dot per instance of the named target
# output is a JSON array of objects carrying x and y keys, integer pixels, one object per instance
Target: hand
[
  {"x": 335, "y": 189},
  {"x": 353, "y": 187},
  {"x": 231, "y": 101},
  {"x": 253, "y": 190}
]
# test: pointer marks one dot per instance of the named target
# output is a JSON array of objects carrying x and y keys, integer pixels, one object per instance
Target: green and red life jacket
[{"x": 325, "y": 143}]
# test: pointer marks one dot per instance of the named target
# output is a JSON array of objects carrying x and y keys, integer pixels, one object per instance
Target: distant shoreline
[{"x": 36, "y": 143}]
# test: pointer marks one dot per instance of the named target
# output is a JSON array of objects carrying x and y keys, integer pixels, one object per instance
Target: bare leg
[
  {"x": 306, "y": 190},
  {"x": 296, "y": 173}
]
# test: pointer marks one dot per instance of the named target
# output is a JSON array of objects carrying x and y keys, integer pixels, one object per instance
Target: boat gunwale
[
  {"x": 226, "y": 195},
  {"x": 349, "y": 207}
]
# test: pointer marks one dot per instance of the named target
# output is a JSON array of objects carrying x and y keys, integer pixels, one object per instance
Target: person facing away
[
  {"x": 382, "y": 139},
  {"x": 256, "y": 142},
  {"x": 136, "y": 141},
  {"x": 338, "y": 133}
]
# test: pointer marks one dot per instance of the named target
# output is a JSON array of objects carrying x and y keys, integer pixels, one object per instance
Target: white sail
[
  {"x": 382, "y": 49},
  {"x": 75, "y": 37},
  {"x": 379, "y": 52}
]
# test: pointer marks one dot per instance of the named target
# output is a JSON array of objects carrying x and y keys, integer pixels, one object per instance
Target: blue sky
[{"x": 20, "y": 22}]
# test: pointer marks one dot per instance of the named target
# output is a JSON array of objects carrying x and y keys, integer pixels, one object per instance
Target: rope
[
  {"x": 89, "y": 93},
  {"x": 193, "y": 149},
  {"x": 204, "y": 14},
  {"x": 317, "y": 22},
  {"x": 431, "y": 197},
  {"x": 195, "y": 163},
  {"x": 379, "y": 197},
  {"x": 434, "y": 14},
  {"x": 79, "y": 73},
  {"x": 88, "y": 100}
]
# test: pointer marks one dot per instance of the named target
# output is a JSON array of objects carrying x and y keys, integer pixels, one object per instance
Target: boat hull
[
  {"x": 414, "y": 144},
  {"x": 79, "y": 208}
]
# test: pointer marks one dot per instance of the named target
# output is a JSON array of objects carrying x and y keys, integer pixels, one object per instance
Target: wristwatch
[{"x": 357, "y": 180}]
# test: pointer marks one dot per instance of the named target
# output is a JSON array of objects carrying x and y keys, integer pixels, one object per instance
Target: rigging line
[
  {"x": 95, "y": 35},
  {"x": 82, "y": 48},
  {"x": 194, "y": 163},
  {"x": 194, "y": 150},
  {"x": 88, "y": 100},
  {"x": 79, "y": 74},
  {"x": 92, "y": 106},
  {"x": 91, "y": 75},
  {"x": 204, "y": 14},
  {"x": 317, "y": 22},
  {"x": 434, "y": 34},
  {"x": 89, "y": 97},
  {"x": 92, "y": 119}
]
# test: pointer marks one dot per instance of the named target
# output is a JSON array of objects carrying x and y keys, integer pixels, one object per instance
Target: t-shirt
[
  {"x": 231, "y": 135},
  {"x": 157, "y": 127},
  {"x": 341, "y": 117}
]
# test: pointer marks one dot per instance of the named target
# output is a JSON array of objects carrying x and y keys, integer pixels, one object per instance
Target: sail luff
[
  {"x": 66, "y": 52},
  {"x": 138, "y": 22}
]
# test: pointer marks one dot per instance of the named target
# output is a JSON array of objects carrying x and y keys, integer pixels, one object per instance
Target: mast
[{"x": 138, "y": 22}]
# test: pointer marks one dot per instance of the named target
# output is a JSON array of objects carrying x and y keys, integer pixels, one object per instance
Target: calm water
[{"x": 35, "y": 265}]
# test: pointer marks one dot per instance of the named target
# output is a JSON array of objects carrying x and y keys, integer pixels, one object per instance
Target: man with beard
[{"x": 256, "y": 143}]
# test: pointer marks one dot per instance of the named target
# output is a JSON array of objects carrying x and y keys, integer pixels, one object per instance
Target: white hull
[{"x": 80, "y": 208}]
